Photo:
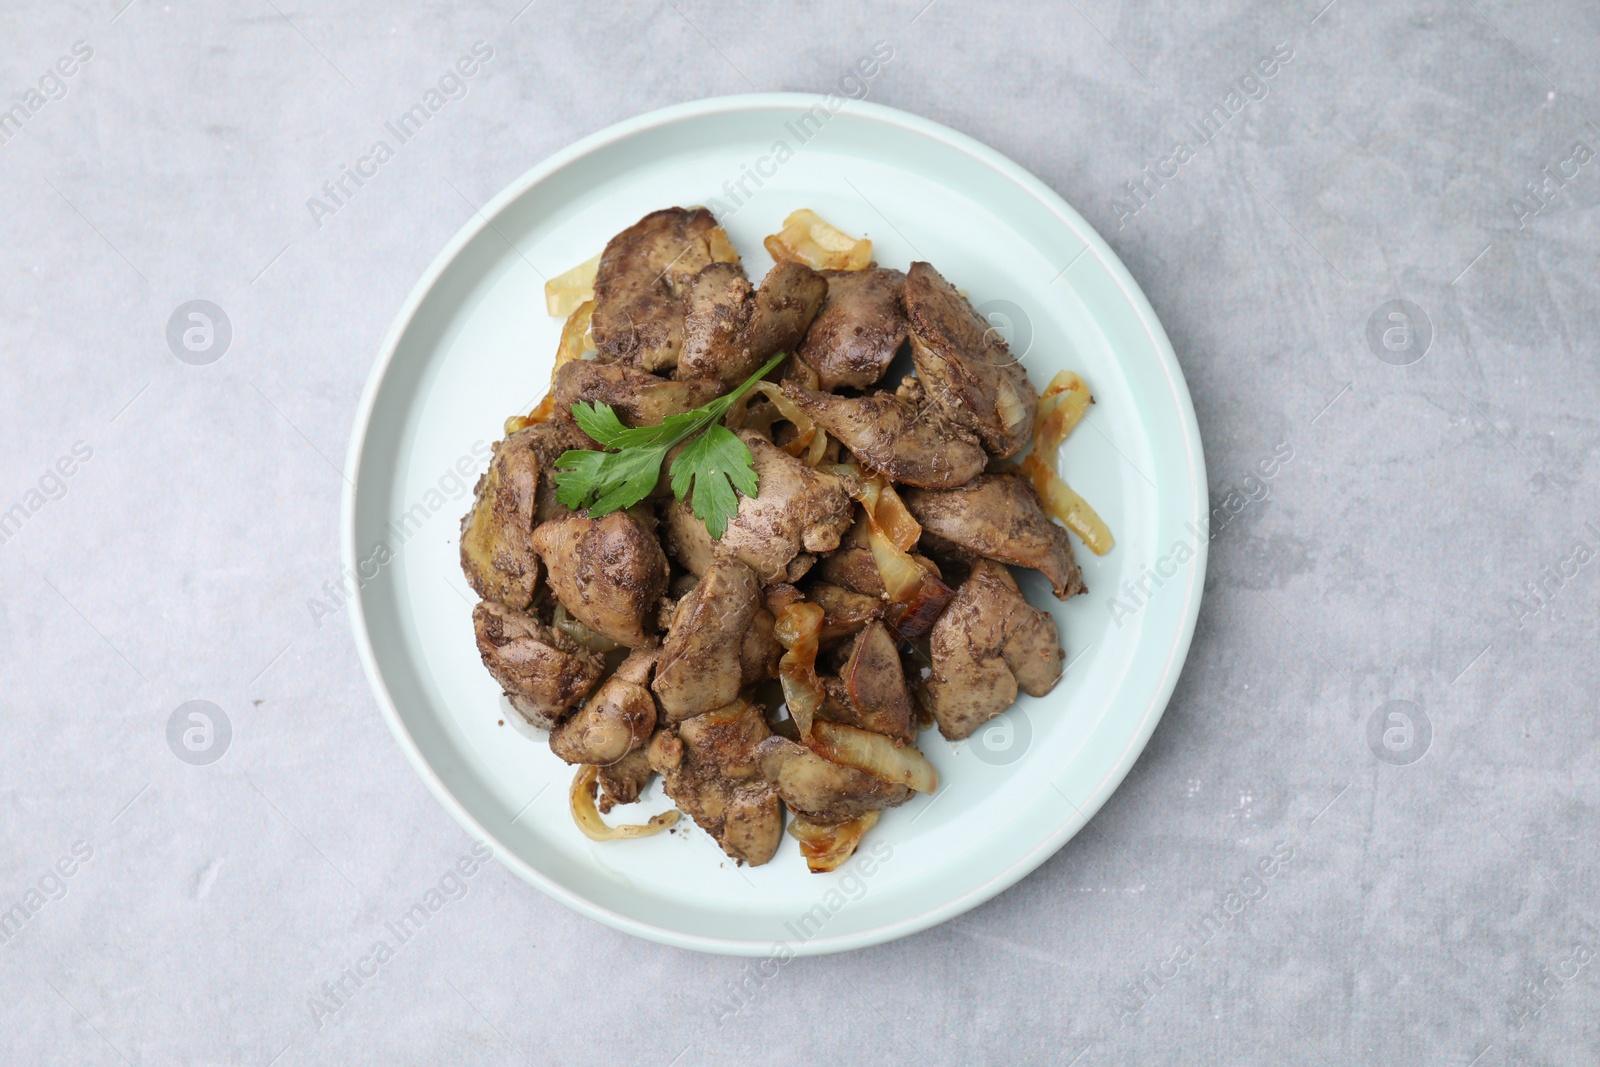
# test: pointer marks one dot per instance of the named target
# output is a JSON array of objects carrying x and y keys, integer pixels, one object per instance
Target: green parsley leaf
[
  {"x": 578, "y": 473},
  {"x": 629, "y": 479},
  {"x": 716, "y": 463},
  {"x": 600, "y": 422},
  {"x": 712, "y": 466}
]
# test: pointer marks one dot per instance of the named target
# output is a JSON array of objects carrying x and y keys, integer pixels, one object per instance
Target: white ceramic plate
[{"x": 473, "y": 344}]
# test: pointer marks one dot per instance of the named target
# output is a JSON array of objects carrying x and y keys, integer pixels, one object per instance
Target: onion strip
[
  {"x": 888, "y": 514},
  {"x": 577, "y": 336},
  {"x": 872, "y": 753},
  {"x": 543, "y": 411},
  {"x": 1061, "y": 408},
  {"x": 720, "y": 247},
  {"x": 827, "y": 845},
  {"x": 891, "y": 534},
  {"x": 811, "y": 440},
  {"x": 587, "y": 816},
  {"x": 799, "y": 631},
  {"x": 902, "y": 575},
  {"x": 818, "y": 449},
  {"x": 1061, "y": 501},
  {"x": 564, "y": 292},
  {"x": 808, "y": 238}
]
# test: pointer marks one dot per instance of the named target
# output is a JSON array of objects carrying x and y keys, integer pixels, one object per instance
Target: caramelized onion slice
[
  {"x": 722, "y": 250},
  {"x": 877, "y": 755},
  {"x": 587, "y": 816},
  {"x": 541, "y": 413},
  {"x": 791, "y": 412},
  {"x": 806, "y": 238},
  {"x": 564, "y": 292},
  {"x": 917, "y": 593},
  {"x": 577, "y": 337},
  {"x": 799, "y": 631},
  {"x": 902, "y": 575},
  {"x": 894, "y": 520},
  {"x": 819, "y": 448},
  {"x": 827, "y": 845},
  {"x": 1061, "y": 408},
  {"x": 891, "y": 533},
  {"x": 1066, "y": 505}
]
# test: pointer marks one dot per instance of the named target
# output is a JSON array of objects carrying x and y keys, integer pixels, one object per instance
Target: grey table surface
[{"x": 1392, "y": 684}]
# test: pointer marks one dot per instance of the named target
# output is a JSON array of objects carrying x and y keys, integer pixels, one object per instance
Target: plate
[{"x": 473, "y": 344}]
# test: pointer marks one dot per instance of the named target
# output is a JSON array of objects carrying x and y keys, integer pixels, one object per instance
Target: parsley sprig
[{"x": 713, "y": 465}]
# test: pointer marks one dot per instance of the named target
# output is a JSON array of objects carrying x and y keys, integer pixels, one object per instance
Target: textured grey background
[{"x": 1421, "y": 903}]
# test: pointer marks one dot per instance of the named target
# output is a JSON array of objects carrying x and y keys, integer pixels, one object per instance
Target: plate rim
[{"x": 1177, "y": 651}]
